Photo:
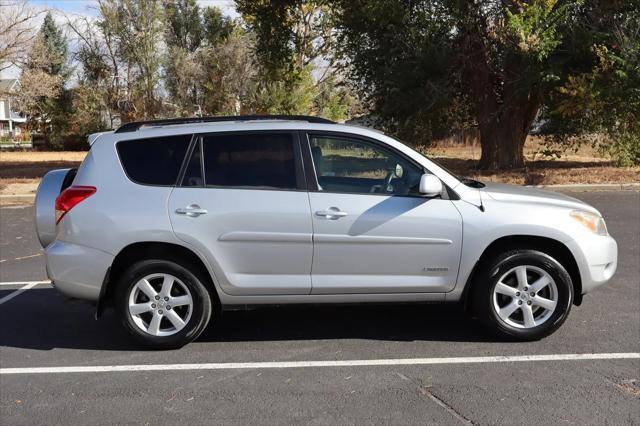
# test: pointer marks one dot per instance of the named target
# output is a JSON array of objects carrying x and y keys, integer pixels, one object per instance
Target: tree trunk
[
  {"x": 502, "y": 144},
  {"x": 503, "y": 133},
  {"x": 504, "y": 107}
]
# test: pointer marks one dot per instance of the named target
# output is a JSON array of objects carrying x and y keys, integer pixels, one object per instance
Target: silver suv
[{"x": 171, "y": 221}]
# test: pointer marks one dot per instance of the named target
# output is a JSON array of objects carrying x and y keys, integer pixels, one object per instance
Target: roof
[
  {"x": 168, "y": 129},
  {"x": 8, "y": 84}
]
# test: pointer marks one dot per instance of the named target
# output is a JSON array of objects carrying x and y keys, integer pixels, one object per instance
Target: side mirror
[{"x": 430, "y": 185}]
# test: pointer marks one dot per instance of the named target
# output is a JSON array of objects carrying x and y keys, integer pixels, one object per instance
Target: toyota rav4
[{"x": 170, "y": 221}]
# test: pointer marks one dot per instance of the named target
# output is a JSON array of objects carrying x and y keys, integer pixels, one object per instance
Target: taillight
[{"x": 70, "y": 197}]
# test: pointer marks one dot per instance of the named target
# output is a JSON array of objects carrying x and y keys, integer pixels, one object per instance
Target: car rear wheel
[
  {"x": 162, "y": 304},
  {"x": 523, "y": 295}
]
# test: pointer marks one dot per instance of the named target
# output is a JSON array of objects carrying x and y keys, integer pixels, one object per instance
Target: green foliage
[
  {"x": 295, "y": 46},
  {"x": 293, "y": 95},
  {"x": 44, "y": 97},
  {"x": 532, "y": 28},
  {"x": 333, "y": 101},
  {"x": 151, "y": 58},
  {"x": 430, "y": 66},
  {"x": 83, "y": 115},
  {"x": 271, "y": 23},
  {"x": 137, "y": 28},
  {"x": 425, "y": 68},
  {"x": 625, "y": 146},
  {"x": 229, "y": 75},
  {"x": 217, "y": 27},
  {"x": 403, "y": 62},
  {"x": 603, "y": 96},
  {"x": 183, "y": 37},
  {"x": 56, "y": 44},
  {"x": 183, "y": 24}
]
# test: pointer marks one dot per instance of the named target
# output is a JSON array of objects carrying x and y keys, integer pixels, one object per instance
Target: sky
[
  {"x": 87, "y": 7},
  {"x": 79, "y": 7}
]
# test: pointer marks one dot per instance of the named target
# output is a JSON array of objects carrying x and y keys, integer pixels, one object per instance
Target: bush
[
  {"x": 625, "y": 148},
  {"x": 68, "y": 142}
]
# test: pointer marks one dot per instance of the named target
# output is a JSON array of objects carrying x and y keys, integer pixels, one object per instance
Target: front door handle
[
  {"x": 332, "y": 213},
  {"x": 192, "y": 210}
]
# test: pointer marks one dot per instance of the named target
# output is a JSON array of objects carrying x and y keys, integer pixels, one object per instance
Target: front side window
[
  {"x": 356, "y": 166},
  {"x": 263, "y": 160},
  {"x": 153, "y": 161}
]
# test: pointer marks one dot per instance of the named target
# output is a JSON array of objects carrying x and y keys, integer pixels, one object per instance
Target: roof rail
[{"x": 136, "y": 125}]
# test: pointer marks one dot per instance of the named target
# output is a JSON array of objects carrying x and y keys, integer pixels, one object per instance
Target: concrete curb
[{"x": 6, "y": 200}]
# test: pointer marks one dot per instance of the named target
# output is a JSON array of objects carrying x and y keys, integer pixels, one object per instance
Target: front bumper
[
  {"x": 597, "y": 259},
  {"x": 77, "y": 271}
]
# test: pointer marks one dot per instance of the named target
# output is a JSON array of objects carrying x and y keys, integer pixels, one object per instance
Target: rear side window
[
  {"x": 250, "y": 160},
  {"x": 154, "y": 161}
]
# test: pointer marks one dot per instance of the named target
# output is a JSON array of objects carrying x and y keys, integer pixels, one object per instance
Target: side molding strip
[
  {"x": 279, "y": 237},
  {"x": 366, "y": 239}
]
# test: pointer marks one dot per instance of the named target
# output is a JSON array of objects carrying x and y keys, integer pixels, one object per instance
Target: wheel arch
[
  {"x": 550, "y": 246},
  {"x": 151, "y": 250}
]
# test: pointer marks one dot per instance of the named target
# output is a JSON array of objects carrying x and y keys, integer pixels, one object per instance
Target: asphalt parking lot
[{"x": 426, "y": 375}]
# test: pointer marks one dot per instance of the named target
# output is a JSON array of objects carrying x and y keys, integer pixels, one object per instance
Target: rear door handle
[
  {"x": 332, "y": 213},
  {"x": 192, "y": 210}
]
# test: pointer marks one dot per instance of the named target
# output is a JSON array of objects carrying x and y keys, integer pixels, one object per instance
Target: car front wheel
[
  {"x": 162, "y": 304},
  {"x": 523, "y": 295}
]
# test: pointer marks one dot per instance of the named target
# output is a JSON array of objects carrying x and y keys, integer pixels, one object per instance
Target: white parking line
[
  {"x": 19, "y": 291},
  {"x": 317, "y": 364},
  {"x": 11, "y": 283},
  {"x": 22, "y": 257},
  {"x": 28, "y": 257}
]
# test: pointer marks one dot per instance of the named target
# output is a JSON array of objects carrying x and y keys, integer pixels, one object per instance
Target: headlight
[{"x": 591, "y": 221}]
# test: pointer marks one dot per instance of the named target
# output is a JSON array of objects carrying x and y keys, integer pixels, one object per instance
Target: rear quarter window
[{"x": 153, "y": 161}]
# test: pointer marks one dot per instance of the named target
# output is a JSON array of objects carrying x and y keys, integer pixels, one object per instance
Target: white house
[{"x": 11, "y": 121}]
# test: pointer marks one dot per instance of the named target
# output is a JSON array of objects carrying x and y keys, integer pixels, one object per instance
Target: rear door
[
  {"x": 242, "y": 202},
  {"x": 373, "y": 232}
]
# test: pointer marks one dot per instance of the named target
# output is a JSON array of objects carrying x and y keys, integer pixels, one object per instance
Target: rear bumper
[
  {"x": 77, "y": 271},
  {"x": 597, "y": 259}
]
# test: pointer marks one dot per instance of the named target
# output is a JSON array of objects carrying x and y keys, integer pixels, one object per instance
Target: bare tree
[
  {"x": 99, "y": 72},
  {"x": 17, "y": 31},
  {"x": 36, "y": 84}
]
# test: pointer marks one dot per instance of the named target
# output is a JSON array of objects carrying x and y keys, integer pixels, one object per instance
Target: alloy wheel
[
  {"x": 160, "y": 304},
  {"x": 525, "y": 296}
]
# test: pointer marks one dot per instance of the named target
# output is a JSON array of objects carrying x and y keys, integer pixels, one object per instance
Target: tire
[
  {"x": 499, "y": 289},
  {"x": 152, "y": 321}
]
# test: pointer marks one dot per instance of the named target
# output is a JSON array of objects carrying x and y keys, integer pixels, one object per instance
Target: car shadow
[
  {"x": 43, "y": 320},
  {"x": 383, "y": 212}
]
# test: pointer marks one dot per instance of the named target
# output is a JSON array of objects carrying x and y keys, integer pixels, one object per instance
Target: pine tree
[{"x": 56, "y": 45}]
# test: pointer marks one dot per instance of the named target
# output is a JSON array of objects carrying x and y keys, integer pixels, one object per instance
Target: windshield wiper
[{"x": 472, "y": 182}]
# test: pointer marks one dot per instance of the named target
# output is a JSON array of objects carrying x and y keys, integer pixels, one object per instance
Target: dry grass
[
  {"x": 27, "y": 167},
  {"x": 586, "y": 165},
  {"x": 41, "y": 156},
  {"x": 547, "y": 172},
  {"x": 532, "y": 149}
]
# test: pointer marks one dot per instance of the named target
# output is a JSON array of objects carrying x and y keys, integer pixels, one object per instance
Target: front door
[
  {"x": 243, "y": 204},
  {"x": 373, "y": 232}
]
